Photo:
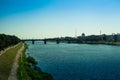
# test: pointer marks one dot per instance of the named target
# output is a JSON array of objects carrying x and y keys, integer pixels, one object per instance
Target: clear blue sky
[{"x": 57, "y": 18}]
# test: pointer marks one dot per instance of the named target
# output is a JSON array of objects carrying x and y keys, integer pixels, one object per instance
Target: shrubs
[
  {"x": 7, "y": 40},
  {"x": 34, "y": 71},
  {"x": 31, "y": 60},
  {"x": 28, "y": 70}
]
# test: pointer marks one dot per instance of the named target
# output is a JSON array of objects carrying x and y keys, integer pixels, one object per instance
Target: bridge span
[{"x": 44, "y": 40}]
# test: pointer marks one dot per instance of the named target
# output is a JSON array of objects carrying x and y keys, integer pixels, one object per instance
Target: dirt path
[
  {"x": 13, "y": 73},
  {"x": 4, "y": 51}
]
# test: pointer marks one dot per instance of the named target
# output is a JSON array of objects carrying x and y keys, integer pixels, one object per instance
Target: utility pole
[
  {"x": 101, "y": 35},
  {"x": 100, "y": 32},
  {"x": 76, "y": 33}
]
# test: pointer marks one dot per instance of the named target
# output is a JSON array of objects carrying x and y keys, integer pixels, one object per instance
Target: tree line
[
  {"x": 88, "y": 39},
  {"x": 8, "y": 40}
]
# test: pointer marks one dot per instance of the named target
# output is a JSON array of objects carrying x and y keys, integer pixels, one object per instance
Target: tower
[
  {"x": 100, "y": 32},
  {"x": 76, "y": 33}
]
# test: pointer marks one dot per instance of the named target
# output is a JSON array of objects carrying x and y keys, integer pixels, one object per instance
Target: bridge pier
[
  {"x": 57, "y": 41},
  {"x": 45, "y": 41},
  {"x": 33, "y": 41}
]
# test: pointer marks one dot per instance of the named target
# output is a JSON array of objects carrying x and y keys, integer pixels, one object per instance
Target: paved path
[{"x": 13, "y": 73}]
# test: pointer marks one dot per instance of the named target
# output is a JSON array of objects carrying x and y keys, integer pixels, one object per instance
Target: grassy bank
[
  {"x": 28, "y": 69},
  {"x": 117, "y": 43},
  {"x": 21, "y": 72},
  {"x": 6, "y": 62},
  {"x": 103, "y": 42}
]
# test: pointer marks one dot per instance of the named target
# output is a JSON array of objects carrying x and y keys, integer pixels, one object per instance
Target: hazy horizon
[{"x": 59, "y": 18}]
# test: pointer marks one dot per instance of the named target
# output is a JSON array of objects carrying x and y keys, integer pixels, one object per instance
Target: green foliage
[
  {"x": 21, "y": 72},
  {"x": 28, "y": 69},
  {"x": 31, "y": 60},
  {"x": 7, "y": 40},
  {"x": 117, "y": 43},
  {"x": 6, "y": 61}
]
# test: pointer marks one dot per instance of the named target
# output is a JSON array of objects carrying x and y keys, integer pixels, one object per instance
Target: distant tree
[
  {"x": 92, "y": 38},
  {"x": 8, "y": 40},
  {"x": 115, "y": 38},
  {"x": 104, "y": 37}
]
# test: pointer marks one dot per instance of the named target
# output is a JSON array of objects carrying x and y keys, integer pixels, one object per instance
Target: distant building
[
  {"x": 110, "y": 38},
  {"x": 83, "y": 34}
]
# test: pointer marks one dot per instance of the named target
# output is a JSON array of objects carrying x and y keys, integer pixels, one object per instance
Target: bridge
[{"x": 44, "y": 40}]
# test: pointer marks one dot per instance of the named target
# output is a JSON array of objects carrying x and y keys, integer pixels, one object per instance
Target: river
[{"x": 77, "y": 61}]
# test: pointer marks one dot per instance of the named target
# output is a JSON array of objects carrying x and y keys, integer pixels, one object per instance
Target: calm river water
[{"x": 77, "y": 61}]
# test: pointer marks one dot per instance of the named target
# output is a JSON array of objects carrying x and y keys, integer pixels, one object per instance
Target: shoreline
[
  {"x": 91, "y": 42},
  {"x": 29, "y": 70},
  {"x": 104, "y": 43}
]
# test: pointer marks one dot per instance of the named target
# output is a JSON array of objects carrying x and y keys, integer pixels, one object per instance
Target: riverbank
[
  {"x": 91, "y": 42},
  {"x": 6, "y": 49},
  {"x": 6, "y": 61},
  {"x": 77, "y": 59},
  {"x": 103, "y": 42},
  {"x": 28, "y": 69}
]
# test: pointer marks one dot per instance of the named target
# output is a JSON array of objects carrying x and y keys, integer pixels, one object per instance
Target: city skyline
[{"x": 59, "y": 18}]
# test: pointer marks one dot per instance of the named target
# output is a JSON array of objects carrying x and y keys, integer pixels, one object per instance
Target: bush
[
  {"x": 28, "y": 69},
  {"x": 8, "y": 40}
]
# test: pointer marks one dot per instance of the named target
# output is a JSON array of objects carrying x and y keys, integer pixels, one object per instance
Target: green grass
[
  {"x": 6, "y": 62},
  {"x": 103, "y": 42},
  {"x": 117, "y": 43},
  {"x": 27, "y": 72},
  {"x": 21, "y": 72}
]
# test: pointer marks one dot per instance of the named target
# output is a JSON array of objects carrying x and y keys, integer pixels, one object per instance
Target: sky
[{"x": 31, "y": 19}]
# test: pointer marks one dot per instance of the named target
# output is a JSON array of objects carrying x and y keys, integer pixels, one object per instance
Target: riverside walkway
[{"x": 13, "y": 73}]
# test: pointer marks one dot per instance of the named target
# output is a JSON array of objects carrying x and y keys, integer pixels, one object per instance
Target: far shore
[
  {"x": 92, "y": 42},
  {"x": 105, "y": 43}
]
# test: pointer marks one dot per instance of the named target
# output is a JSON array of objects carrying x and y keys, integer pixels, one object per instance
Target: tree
[{"x": 8, "y": 40}]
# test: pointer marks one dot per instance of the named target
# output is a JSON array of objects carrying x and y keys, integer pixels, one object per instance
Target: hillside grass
[
  {"x": 103, "y": 42},
  {"x": 28, "y": 69},
  {"x": 21, "y": 72},
  {"x": 7, "y": 60},
  {"x": 117, "y": 43}
]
